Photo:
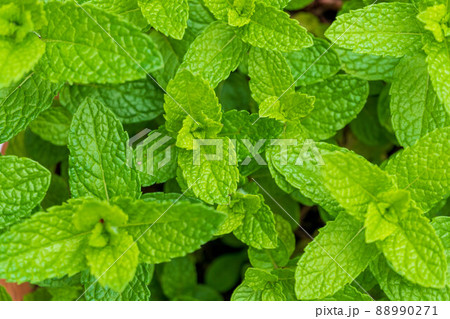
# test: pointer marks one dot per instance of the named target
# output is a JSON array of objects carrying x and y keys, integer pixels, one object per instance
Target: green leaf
[
  {"x": 189, "y": 96},
  {"x": 210, "y": 171},
  {"x": 301, "y": 167},
  {"x": 156, "y": 158},
  {"x": 20, "y": 47},
  {"x": 219, "y": 8},
  {"x": 338, "y": 101},
  {"x": 423, "y": 169},
  {"x": 367, "y": 66},
  {"x": 136, "y": 290},
  {"x": 421, "y": 257},
  {"x": 438, "y": 59},
  {"x": 115, "y": 264},
  {"x": 22, "y": 102},
  {"x": 215, "y": 53},
  {"x": 169, "y": 229},
  {"x": 335, "y": 258},
  {"x": 168, "y": 16},
  {"x": 348, "y": 293},
  {"x": 434, "y": 19},
  {"x": 127, "y": 9},
  {"x": 279, "y": 256},
  {"x": 354, "y": 182},
  {"x": 415, "y": 107},
  {"x": 131, "y": 102},
  {"x": 98, "y": 155},
  {"x": 380, "y": 29},
  {"x": 4, "y": 295},
  {"x": 258, "y": 225},
  {"x": 313, "y": 64},
  {"x": 272, "y": 29},
  {"x": 23, "y": 184},
  {"x": 241, "y": 12},
  {"x": 53, "y": 125},
  {"x": 292, "y": 106},
  {"x": 178, "y": 278},
  {"x": 224, "y": 272},
  {"x": 44, "y": 246},
  {"x": 199, "y": 17},
  {"x": 397, "y": 287},
  {"x": 79, "y": 50},
  {"x": 241, "y": 125},
  {"x": 441, "y": 225},
  {"x": 269, "y": 74}
]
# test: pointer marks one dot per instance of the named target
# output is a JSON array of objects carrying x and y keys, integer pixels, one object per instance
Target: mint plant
[{"x": 225, "y": 150}]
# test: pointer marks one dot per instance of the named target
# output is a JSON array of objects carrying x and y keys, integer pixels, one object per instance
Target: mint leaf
[
  {"x": 23, "y": 186},
  {"x": 168, "y": 229},
  {"x": 438, "y": 59},
  {"x": 4, "y": 295},
  {"x": 335, "y": 258},
  {"x": 215, "y": 53},
  {"x": 168, "y": 16},
  {"x": 272, "y": 29},
  {"x": 44, "y": 246},
  {"x": 257, "y": 228},
  {"x": 189, "y": 96},
  {"x": 380, "y": 29},
  {"x": 178, "y": 278},
  {"x": 423, "y": 170},
  {"x": 136, "y": 289},
  {"x": 349, "y": 293},
  {"x": 22, "y": 102},
  {"x": 210, "y": 171},
  {"x": 421, "y": 257},
  {"x": 397, "y": 287},
  {"x": 20, "y": 48},
  {"x": 441, "y": 224},
  {"x": 338, "y": 100},
  {"x": 269, "y": 74},
  {"x": 415, "y": 107},
  {"x": 114, "y": 265},
  {"x": 78, "y": 50},
  {"x": 354, "y": 182},
  {"x": 366, "y": 66},
  {"x": 53, "y": 125},
  {"x": 98, "y": 155},
  {"x": 128, "y": 9},
  {"x": 313, "y": 64},
  {"x": 131, "y": 102}
]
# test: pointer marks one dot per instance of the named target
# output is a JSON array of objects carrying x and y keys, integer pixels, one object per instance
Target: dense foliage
[{"x": 225, "y": 149}]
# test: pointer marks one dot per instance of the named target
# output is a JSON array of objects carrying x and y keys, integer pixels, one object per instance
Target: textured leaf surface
[
  {"x": 415, "y": 251},
  {"x": 115, "y": 264},
  {"x": 338, "y": 100},
  {"x": 397, "y": 287},
  {"x": 53, "y": 125},
  {"x": 98, "y": 155},
  {"x": 189, "y": 96},
  {"x": 354, "y": 181},
  {"x": 366, "y": 66},
  {"x": 442, "y": 224},
  {"x": 335, "y": 258},
  {"x": 78, "y": 50},
  {"x": 168, "y": 16},
  {"x": 212, "y": 175},
  {"x": 215, "y": 53},
  {"x": 423, "y": 169},
  {"x": 178, "y": 278},
  {"x": 272, "y": 29},
  {"x": 269, "y": 74},
  {"x": 136, "y": 290},
  {"x": 169, "y": 229},
  {"x": 44, "y": 246},
  {"x": 349, "y": 293},
  {"x": 128, "y": 9},
  {"x": 438, "y": 60},
  {"x": 302, "y": 169},
  {"x": 131, "y": 102},
  {"x": 415, "y": 107},
  {"x": 22, "y": 102},
  {"x": 23, "y": 184},
  {"x": 381, "y": 29},
  {"x": 313, "y": 64}
]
